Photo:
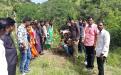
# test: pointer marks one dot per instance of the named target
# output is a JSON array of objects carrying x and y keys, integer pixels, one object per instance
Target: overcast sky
[{"x": 39, "y": 1}]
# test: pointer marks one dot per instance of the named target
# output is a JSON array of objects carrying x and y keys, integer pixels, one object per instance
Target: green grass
[
  {"x": 58, "y": 64},
  {"x": 114, "y": 58},
  {"x": 52, "y": 64}
]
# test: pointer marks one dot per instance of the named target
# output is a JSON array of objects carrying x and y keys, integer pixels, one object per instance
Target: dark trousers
[
  {"x": 100, "y": 63},
  {"x": 80, "y": 45},
  {"x": 12, "y": 69},
  {"x": 90, "y": 52},
  {"x": 11, "y": 57}
]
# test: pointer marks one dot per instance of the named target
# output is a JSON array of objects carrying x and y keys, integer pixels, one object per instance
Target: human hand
[{"x": 23, "y": 46}]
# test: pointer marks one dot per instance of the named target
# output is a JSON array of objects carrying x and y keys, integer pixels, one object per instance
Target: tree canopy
[{"x": 59, "y": 11}]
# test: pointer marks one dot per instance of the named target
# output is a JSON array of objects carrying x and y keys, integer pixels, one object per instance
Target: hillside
[
  {"x": 59, "y": 11},
  {"x": 56, "y": 63}
]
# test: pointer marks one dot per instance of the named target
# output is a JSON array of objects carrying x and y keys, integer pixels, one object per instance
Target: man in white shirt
[
  {"x": 102, "y": 47},
  {"x": 3, "y": 62}
]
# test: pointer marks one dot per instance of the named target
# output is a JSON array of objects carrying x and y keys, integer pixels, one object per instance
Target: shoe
[
  {"x": 85, "y": 62},
  {"x": 29, "y": 69},
  {"x": 26, "y": 71},
  {"x": 23, "y": 73}
]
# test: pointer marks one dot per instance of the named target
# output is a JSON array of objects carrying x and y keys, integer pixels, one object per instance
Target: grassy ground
[{"x": 54, "y": 62}]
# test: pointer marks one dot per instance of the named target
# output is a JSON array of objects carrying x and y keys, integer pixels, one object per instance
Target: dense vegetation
[{"x": 60, "y": 10}]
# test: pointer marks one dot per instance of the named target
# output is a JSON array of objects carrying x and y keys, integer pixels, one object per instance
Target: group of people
[
  {"x": 88, "y": 36},
  {"x": 31, "y": 36},
  {"x": 8, "y": 53}
]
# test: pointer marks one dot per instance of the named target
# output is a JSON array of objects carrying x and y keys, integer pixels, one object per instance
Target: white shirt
[
  {"x": 45, "y": 30},
  {"x": 3, "y": 62},
  {"x": 102, "y": 44}
]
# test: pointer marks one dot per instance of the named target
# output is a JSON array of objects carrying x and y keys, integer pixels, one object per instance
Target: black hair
[
  {"x": 51, "y": 23},
  {"x": 33, "y": 23},
  {"x": 26, "y": 18},
  {"x": 10, "y": 21},
  {"x": 69, "y": 18},
  {"x": 80, "y": 18},
  {"x": 89, "y": 17},
  {"x": 2, "y": 26},
  {"x": 100, "y": 21}
]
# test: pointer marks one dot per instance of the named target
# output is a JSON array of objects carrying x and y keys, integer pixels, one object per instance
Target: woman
[
  {"x": 49, "y": 38},
  {"x": 37, "y": 37},
  {"x": 32, "y": 41}
]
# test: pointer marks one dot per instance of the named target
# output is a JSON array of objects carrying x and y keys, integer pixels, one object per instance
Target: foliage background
[{"x": 60, "y": 10}]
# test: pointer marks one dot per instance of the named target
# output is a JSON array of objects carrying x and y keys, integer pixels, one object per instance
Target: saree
[
  {"x": 32, "y": 43},
  {"x": 49, "y": 38}
]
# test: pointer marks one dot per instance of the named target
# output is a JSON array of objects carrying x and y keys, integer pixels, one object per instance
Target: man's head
[
  {"x": 33, "y": 24},
  {"x": 100, "y": 25},
  {"x": 10, "y": 24},
  {"x": 68, "y": 23},
  {"x": 47, "y": 23},
  {"x": 80, "y": 19},
  {"x": 42, "y": 22},
  {"x": 84, "y": 22},
  {"x": 90, "y": 20},
  {"x": 72, "y": 21},
  {"x": 26, "y": 20}
]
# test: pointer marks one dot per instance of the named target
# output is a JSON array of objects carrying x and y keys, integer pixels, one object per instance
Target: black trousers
[
  {"x": 12, "y": 69},
  {"x": 100, "y": 63},
  {"x": 80, "y": 45},
  {"x": 90, "y": 53}
]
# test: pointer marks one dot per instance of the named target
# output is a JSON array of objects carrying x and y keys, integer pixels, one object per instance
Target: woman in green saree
[{"x": 49, "y": 38}]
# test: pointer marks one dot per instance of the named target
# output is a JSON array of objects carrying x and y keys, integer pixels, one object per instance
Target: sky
[{"x": 39, "y": 1}]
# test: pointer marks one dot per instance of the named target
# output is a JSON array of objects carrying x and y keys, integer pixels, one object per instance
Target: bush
[{"x": 115, "y": 37}]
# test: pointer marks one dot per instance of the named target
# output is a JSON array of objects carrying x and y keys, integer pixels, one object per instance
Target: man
[
  {"x": 102, "y": 47},
  {"x": 24, "y": 46},
  {"x": 11, "y": 53},
  {"x": 43, "y": 38},
  {"x": 80, "y": 23},
  {"x": 3, "y": 62},
  {"x": 40, "y": 31},
  {"x": 66, "y": 42},
  {"x": 74, "y": 36},
  {"x": 90, "y": 34}
]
